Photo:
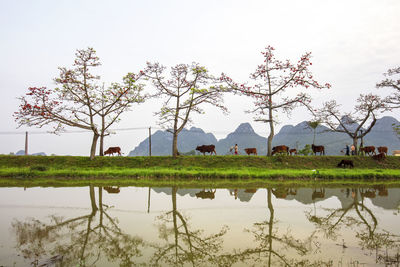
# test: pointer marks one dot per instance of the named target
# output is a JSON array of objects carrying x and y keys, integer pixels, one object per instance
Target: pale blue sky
[{"x": 352, "y": 42}]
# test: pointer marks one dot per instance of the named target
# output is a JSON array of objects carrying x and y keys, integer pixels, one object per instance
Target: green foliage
[
  {"x": 306, "y": 151},
  {"x": 396, "y": 128},
  {"x": 40, "y": 168}
]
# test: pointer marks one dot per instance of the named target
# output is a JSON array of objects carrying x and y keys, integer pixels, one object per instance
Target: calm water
[{"x": 110, "y": 226}]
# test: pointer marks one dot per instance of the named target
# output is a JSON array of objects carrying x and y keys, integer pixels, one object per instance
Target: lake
[{"x": 127, "y": 226}]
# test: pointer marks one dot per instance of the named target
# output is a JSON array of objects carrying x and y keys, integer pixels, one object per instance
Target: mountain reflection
[{"x": 267, "y": 238}]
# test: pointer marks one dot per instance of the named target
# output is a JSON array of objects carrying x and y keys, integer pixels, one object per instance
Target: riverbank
[{"x": 196, "y": 168}]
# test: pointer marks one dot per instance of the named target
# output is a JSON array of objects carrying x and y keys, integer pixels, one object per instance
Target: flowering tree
[
  {"x": 355, "y": 124},
  {"x": 78, "y": 101},
  {"x": 273, "y": 78},
  {"x": 394, "y": 99},
  {"x": 185, "y": 90}
]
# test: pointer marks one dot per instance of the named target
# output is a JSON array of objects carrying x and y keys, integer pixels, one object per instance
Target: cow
[
  {"x": 293, "y": 151},
  {"x": 346, "y": 162},
  {"x": 206, "y": 149},
  {"x": 320, "y": 149},
  {"x": 368, "y": 150},
  {"x": 382, "y": 149},
  {"x": 111, "y": 190},
  {"x": 280, "y": 149},
  {"x": 252, "y": 150},
  {"x": 379, "y": 157},
  {"x": 111, "y": 150}
]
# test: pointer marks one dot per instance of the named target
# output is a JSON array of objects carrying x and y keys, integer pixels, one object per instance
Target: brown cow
[
  {"x": 383, "y": 149},
  {"x": 293, "y": 151},
  {"x": 379, "y": 157},
  {"x": 280, "y": 149},
  {"x": 252, "y": 150},
  {"x": 112, "y": 150},
  {"x": 206, "y": 149},
  {"x": 368, "y": 150},
  {"x": 320, "y": 149},
  {"x": 111, "y": 190}
]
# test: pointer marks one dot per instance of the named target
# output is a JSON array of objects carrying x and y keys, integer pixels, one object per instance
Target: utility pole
[
  {"x": 150, "y": 141},
  {"x": 26, "y": 143}
]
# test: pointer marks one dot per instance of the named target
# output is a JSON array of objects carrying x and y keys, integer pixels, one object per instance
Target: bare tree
[
  {"x": 273, "y": 78},
  {"x": 187, "y": 88},
  {"x": 78, "y": 101},
  {"x": 355, "y": 124},
  {"x": 394, "y": 83}
]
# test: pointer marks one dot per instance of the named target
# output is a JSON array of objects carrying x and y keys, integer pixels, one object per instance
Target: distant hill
[
  {"x": 22, "y": 153},
  {"x": 382, "y": 134},
  {"x": 161, "y": 142},
  {"x": 245, "y": 137},
  {"x": 293, "y": 136}
]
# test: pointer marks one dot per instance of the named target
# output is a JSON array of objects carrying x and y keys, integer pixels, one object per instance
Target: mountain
[
  {"x": 382, "y": 134},
  {"x": 161, "y": 142},
  {"x": 297, "y": 136},
  {"x": 22, "y": 153},
  {"x": 245, "y": 137}
]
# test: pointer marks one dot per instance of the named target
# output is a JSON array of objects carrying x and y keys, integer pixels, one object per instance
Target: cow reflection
[
  {"x": 206, "y": 194},
  {"x": 282, "y": 192},
  {"x": 318, "y": 194},
  {"x": 111, "y": 189}
]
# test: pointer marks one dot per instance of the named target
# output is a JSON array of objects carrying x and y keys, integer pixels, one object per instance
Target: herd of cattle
[{"x": 282, "y": 149}]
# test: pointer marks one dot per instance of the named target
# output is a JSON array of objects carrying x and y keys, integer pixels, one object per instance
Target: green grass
[{"x": 195, "y": 168}]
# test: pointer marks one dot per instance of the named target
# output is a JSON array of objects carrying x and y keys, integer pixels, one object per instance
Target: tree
[
  {"x": 273, "y": 79},
  {"x": 313, "y": 125},
  {"x": 394, "y": 83},
  {"x": 187, "y": 88},
  {"x": 354, "y": 124},
  {"x": 78, "y": 101}
]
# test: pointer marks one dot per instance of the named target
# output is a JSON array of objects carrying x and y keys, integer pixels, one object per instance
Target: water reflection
[
  {"x": 81, "y": 240},
  {"x": 211, "y": 227}
]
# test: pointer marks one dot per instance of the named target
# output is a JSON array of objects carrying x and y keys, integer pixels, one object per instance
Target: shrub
[
  {"x": 306, "y": 150},
  {"x": 40, "y": 168}
]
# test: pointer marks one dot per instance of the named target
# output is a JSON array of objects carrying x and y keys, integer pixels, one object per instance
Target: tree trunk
[
  {"x": 271, "y": 133},
  {"x": 93, "y": 148},
  {"x": 175, "y": 144},
  {"x": 355, "y": 143},
  {"x": 313, "y": 141},
  {"x": 101, "y": 148}
]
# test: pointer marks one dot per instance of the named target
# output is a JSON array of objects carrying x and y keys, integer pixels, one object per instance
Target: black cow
[
  {"x": 206, "y": 149},
  {"x": 346, "y": 162}
]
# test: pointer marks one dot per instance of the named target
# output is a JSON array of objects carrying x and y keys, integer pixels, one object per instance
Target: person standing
[
  {"x": 236, "y": 149},
  {"x": 353, "y": 150},
  {"x": 347, "y": 150}
]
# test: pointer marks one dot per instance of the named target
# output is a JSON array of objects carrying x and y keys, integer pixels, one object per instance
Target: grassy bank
[{"x": 196, "y": 168}]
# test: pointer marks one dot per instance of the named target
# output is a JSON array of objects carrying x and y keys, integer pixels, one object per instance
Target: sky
[{"x": 353, "y": 42}]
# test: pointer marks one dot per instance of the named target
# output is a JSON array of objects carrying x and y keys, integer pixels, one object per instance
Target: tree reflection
[
  {"x": 184, "y": 245},
  {"x": 274, "y": 247},
  {"x": 358, "y": 216},
  {"x": 81, "y": 240}
]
